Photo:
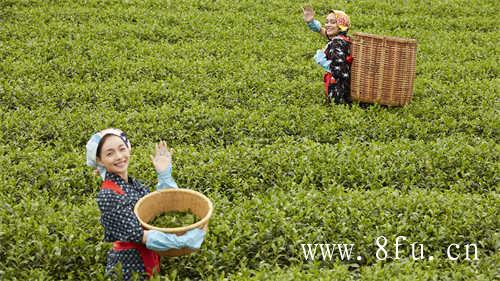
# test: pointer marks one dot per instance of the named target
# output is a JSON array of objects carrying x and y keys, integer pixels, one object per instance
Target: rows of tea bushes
[
  {"x": 219, "y": 126},
  {"x": 233, "y": 88},
  {"x": 243, "y": 169},
  {"x": 265, "y": 231}
]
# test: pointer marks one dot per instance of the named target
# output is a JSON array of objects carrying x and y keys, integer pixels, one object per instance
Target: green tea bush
[{"x": 233, "y": 88}]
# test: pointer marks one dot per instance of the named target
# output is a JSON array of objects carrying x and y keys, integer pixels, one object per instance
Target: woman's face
[
  {"x": 115, "y": 155},
  {"x": 331, "y": 27}
]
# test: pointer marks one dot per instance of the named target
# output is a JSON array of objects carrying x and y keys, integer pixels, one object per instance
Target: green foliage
[
  {"x": 232, "y": 87},
  {"x": 174, "y": 219}
]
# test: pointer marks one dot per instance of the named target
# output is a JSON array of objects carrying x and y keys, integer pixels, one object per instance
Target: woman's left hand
[{"x": 163, "y": 157}]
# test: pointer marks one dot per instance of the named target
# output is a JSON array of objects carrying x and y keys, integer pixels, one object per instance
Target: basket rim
[
  {"x": 383, "y": 37},
  {"x": 200, "y": 224}
]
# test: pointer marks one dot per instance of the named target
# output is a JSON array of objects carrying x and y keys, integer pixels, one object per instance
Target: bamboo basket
[
  {"x": 383, "y": 69},
  {"x": 178, "y": 199}
]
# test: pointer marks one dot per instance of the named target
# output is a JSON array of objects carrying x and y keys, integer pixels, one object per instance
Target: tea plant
[{"x": 232, "y": 86}]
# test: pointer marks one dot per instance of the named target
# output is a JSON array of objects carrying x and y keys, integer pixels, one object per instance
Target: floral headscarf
[{"x": 342, "y": 20}]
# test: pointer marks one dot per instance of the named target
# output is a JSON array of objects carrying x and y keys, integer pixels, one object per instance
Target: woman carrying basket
[
  {"x": 336, "y": 57},
  {"x": 108, "y": 151}
]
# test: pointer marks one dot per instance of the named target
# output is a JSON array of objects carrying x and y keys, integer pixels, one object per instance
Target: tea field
[{"x": 233, "y": 88}]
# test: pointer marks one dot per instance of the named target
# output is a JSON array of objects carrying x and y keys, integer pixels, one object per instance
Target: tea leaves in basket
[{"x": 173, "y": 219}]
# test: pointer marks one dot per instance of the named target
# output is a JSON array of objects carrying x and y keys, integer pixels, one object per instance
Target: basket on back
[{"x": 383, "y": 69}]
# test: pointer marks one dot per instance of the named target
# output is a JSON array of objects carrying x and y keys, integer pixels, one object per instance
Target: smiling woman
[
  {"x": 109, "y": 152},
  {"x": 233, "y": 85},
  {"x": 114, "y": 154},
  {"x": 336, "y": 57}
]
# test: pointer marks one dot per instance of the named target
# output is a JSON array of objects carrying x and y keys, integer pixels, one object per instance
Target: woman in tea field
[
  {"x": 108, "y": 151},
  {"x": 336, "y": 57}
]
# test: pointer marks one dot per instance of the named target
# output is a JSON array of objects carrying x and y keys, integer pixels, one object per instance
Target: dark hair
[{"x": 99, "y": 146}]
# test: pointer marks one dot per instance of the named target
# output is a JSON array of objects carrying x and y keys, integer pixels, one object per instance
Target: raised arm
[
  {"x": 312, "y": 24},
  {"x": 162, "y": 160}
]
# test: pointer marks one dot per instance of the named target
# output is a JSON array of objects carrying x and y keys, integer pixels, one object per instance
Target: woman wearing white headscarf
[{"x": 108, "y": 151}]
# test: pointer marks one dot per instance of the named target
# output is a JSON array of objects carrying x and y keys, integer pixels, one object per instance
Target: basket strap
[{"x": 107, "y": 184}]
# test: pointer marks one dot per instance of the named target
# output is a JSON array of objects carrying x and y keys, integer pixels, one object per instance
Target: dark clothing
[
  {"x": 338, "y": 51},
  {"x": 121, "y": 224}
]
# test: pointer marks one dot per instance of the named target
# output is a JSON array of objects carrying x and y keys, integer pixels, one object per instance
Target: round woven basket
[{"x": 178, "y": 199}]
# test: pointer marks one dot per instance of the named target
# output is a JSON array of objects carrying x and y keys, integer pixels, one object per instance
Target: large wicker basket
[
  {"x": 383, "y": 69},
  {"x": 178, "y": 199}
]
